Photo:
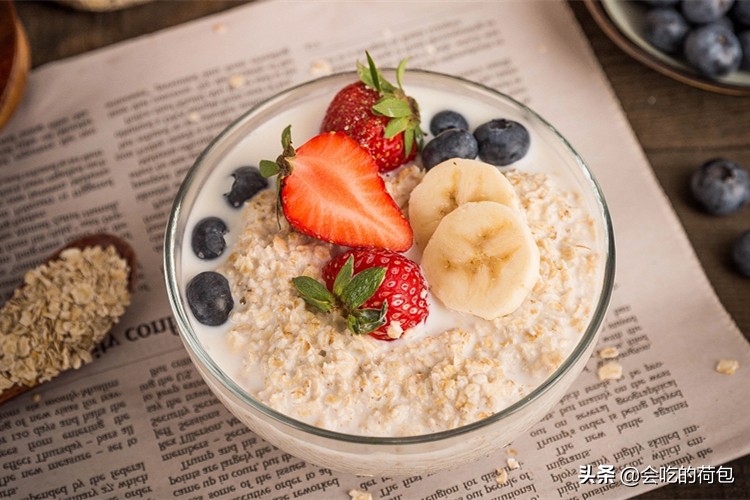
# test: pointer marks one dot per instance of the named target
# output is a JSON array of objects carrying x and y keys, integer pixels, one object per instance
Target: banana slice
[
  {"x": 482, "y": 259},
  {"x": 453, "y": 183}
]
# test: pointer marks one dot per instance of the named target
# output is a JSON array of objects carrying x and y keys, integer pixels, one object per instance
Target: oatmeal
[
  {"x": 453, "y": 370},
  {"x": 64, "y": 308}
]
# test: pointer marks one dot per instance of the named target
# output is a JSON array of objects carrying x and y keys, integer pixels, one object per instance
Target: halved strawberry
[
  {"x": 330, "y": 189},
  {"x": 378, "y": 115}
]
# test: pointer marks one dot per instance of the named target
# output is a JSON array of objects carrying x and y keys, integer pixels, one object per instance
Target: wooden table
[{"x": 679, "y": 127}]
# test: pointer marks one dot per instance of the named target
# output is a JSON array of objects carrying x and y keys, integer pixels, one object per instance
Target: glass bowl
[{"x": 255, "y": 136}]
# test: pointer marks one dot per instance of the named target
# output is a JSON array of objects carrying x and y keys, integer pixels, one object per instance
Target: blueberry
[
  {"x": 705, "y": 11},
  {"x": 741, "y": 12},
  {"x": 741, "y": 253},
  {"x": 447, "y": 119},
  {"x": 209, "y": 298},
  {"x": 726, "y": 22},
  {"x": 721, "y": 186},
  {"x": 451, "y": 143},
  {"x": 744, "y": 39},
  {"x": 502, "y": 142},
  {"x": 713, "y": 50},
  {"x": 666, "y": 29},
  {"x": 208, "y": 238},
  {"x": 247, "y": 183}
]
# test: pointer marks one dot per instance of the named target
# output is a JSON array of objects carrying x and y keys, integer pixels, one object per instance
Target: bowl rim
[{"x": 192, "y": 342}]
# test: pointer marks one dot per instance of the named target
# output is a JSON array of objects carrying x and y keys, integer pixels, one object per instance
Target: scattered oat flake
[
  {"x": 727, "y": 366},
  {"x": 610, "y": 371},
  {"x": 237, "y": 81},
  {"x": 321, "y": 67},
  {"x": 513, "y": 463},
  {"x": 36, "y": 397},
  {"x": 220, "y": 28},
  {"x": 502, "y": 476},
  {"x": 194, "y": 117},
  {"x": 609, "y": 352},
  {"x": 512, "y": 452},
  {"x": 360, "y": 495}
]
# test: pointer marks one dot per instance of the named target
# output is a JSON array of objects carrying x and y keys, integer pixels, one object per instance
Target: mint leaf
[
  {"x": 314, "y": 293},
  {"x": 268, "y": 168},
  {"x": 362, "y": 286}
]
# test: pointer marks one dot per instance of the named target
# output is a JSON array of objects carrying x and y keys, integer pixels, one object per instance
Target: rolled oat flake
[{"x": 61, "y": 312}]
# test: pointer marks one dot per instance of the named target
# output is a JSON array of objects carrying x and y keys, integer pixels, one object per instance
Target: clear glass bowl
[{"x": 303, "y": 106}]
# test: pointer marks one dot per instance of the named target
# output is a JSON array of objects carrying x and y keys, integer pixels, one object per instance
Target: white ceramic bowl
[{"x": 303, "y": 107}]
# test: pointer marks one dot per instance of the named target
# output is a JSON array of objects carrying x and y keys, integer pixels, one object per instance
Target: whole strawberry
[
  {"x": 380, "y": 292},
  {"x": 378, "y": 115}
]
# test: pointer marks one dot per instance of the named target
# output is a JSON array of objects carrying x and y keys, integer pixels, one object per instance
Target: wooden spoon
[
  {"x": 103, "y": 240},
  {"x": 15, "y": 60}
]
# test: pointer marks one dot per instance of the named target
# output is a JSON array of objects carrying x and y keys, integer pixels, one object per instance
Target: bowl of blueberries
[{"x": 704, "y": 43}]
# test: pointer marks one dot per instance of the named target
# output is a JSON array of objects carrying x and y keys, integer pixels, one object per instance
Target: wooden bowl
[
  {"x": 15, "y": 60},
  {"x": 622, "y": 22}
]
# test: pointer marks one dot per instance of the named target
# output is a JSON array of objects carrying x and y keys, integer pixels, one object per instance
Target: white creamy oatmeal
[{"x": 451, "y": 371}]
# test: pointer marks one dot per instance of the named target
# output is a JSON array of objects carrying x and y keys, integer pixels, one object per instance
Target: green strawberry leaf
[
  {"x": 396, "y": 126},
  {"x": 408, "y": 141},
  {"x": 400, "y": 72},
  {"x": 392, "y": 107},
  {"x": 286, "y": 137},
  {"x": 365, "y": 76},
  {"x": 362, "y": 286},
  {"x": 375, "y": 77},
  {"x": 268, "y": 168},
  {"x": 314, "y": 293},
  {"x": 367, "y": 320},
  {"x": 344, "y": 276}
]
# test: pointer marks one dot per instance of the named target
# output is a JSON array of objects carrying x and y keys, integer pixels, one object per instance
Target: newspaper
[{"x": 101, "y": 142}]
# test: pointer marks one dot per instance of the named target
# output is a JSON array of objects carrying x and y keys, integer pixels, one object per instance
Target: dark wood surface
[{"x": 679, "y": 127}]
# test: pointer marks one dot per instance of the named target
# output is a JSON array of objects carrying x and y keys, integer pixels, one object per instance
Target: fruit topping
[
  {"x": 502, "y": 142},
  {"x": 208, "y": 238},
  {"x": 210, "y": 298},
  {"x": 666, "y": 29},
  {"x": 247, "y": 183},
  {"x": 451, "y": 184},
  {"x": 450, "y": 143},
  {"x": 378, "y": 115},
  {"x": 482, "y": 259},
  {"x": 378, "y": 292},
  {"x": 446, "y": 119},
  {"x": 741, "y": 253},
  {"x": 705, "y": 11},
  {"x": 709, "y": 36},
  {"x": 330, "y": 189},
  {"x": 721, "y": 186},
  {"x": 713, "y": 50}
]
